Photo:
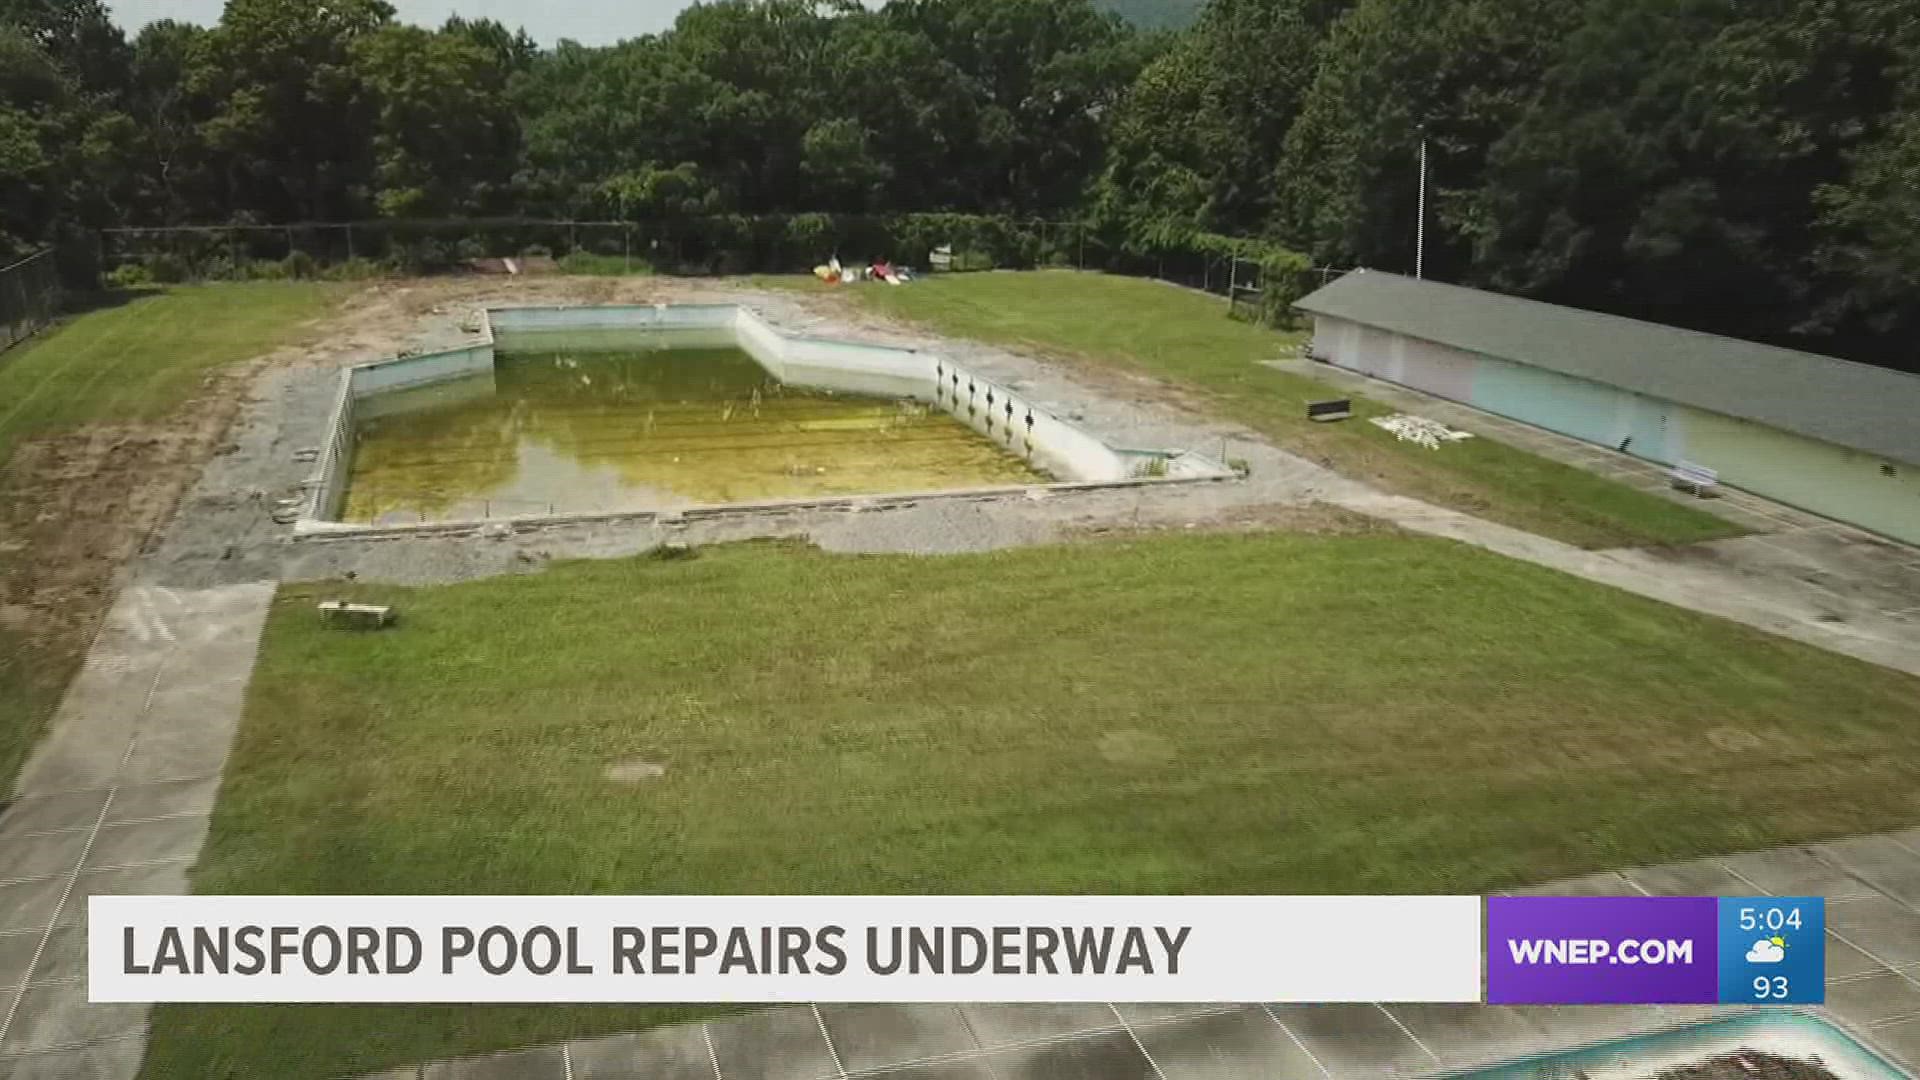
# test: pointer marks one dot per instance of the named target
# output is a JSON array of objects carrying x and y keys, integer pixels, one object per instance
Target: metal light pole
[{"x": 1420, "y": 229}]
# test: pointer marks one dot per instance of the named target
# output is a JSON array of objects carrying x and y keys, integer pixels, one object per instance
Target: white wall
[{"x": 422, "y": 369}]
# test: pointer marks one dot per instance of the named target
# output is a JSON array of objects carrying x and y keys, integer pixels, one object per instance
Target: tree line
[{"x": 1742, "y": 166}]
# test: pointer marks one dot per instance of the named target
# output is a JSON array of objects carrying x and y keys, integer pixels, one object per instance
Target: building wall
[
  {"x": 1830, "y": 480},
  {"x": 1842, "y": 484}
]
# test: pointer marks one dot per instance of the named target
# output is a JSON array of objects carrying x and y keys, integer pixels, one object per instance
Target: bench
[
  {"x": 1321, "y": 412},
  {"x": 369, "y": 616},
  {"x": 940, "y": 259},
  {"x": 1698, "y": 479}
]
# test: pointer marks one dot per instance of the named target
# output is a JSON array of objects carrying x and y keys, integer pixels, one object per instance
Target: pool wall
[{"x": 995, "y": 411}]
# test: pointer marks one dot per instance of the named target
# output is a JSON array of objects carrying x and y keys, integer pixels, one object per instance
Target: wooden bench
[
  {"x": 940, "y": 259},
  {"x": 1321, "y": 412},
  {"x": 1698, "y": 479},
  {"x": 369, "y": 616}
]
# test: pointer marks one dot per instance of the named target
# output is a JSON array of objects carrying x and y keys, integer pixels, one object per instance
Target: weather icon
[{"x": 1768, "y": 951}]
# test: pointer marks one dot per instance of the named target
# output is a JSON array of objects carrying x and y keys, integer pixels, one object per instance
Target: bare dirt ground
[{"x": 77, "y": 506}]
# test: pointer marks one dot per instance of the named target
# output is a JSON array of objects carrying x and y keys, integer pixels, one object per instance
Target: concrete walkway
[
  {"x": 115, "y": 801},
  {"x": 1873, "y": 969}
]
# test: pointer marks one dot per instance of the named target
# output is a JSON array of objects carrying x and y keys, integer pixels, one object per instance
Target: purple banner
[{"x": 1592, "y": 950}]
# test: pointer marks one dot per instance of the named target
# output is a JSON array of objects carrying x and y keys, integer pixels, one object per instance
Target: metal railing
[{"x": 29, "y": 297}]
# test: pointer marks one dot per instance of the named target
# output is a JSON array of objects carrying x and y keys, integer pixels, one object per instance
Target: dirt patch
[
  {"x": 1318, "y": 519},
  {"x": 76, "y": 507},
  {"x": 1749, "y": 1065},
  {"x": 635, "y": 772}
]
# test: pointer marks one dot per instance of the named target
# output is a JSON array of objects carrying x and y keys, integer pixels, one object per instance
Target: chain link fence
[
  {"x": 29, "y": 297},
  {"x": 714, "y": 245}
]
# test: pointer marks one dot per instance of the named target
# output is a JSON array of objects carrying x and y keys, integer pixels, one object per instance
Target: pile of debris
[{"x": 1418, "y": 429}]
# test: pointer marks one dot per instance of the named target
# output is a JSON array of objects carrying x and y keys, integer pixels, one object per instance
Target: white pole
[{"x": 1420, "y": 233}]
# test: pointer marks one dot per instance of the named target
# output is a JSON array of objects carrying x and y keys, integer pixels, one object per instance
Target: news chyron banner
[
  {"x": 1536, "y": 950},
  {"x": 1656, "y": 950},
  {"x": 783, "y": 948}
]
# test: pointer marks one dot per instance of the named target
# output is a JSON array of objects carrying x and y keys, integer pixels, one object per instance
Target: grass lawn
[
  {"x": 1186, "y": 337},
  {"x": 1201, "y": 713},
  {"x": 137, "y": 359},
  {"x": 141, "y": 358}
]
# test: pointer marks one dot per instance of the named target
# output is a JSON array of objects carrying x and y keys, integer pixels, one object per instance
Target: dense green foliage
[{"x": 1745, "y": 166}]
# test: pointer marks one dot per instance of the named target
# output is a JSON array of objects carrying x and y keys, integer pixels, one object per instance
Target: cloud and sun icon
[{"x": 1768, "y": 951}]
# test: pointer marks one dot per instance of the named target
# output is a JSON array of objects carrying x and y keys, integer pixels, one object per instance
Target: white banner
[{"x": 783, "y": 948}]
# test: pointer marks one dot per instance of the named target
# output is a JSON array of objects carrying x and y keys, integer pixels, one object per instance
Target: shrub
[
  {"x": 129, "y": 276},
  {"x": 299, "y": 265},
  {"x": 166, "y": 269}
]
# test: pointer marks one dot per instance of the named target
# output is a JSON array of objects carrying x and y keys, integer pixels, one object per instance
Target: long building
[{"x": 1830, "y": 436}]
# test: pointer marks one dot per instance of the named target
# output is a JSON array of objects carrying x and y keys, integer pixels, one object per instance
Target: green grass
[
  {"x": 588, "y": 264},
  {"x": 1185, "y": 338},
  {"x": 135, "y": 360},
  {"x": 141, "y": 358},
  {"x": 1267, "y": 713}
]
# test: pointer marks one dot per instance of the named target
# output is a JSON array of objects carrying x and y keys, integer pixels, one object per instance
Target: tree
[
  {"x": 445, "y": 136},
  {"x": 1669, "y": 166},
  {"x": 1456, "y": 72},
  {"x": 291, "y": 111}
]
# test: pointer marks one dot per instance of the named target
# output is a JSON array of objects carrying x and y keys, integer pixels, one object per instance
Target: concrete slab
[
  {"x": 970, "y": 1068},
  {"x": 999, "y": 1025},
  {"x": 148, "y": 841},
  {"x": 1355, "y": 1040},
  {"x": 1874, "y": 999},
  {"x": 29, "y": 905},
  {"x": 1880, "y": 861},
  {"x": 1112, "y": 1056},
  {"x": 1900, "y": 1040},
  {"x": 873, "y": 1036},
  {"x": 59, "y": 1015},
  {"x": 49, "y": 813},
  {"x": 149, "y": 879},
  {"x": 670, "y": 1053},
  {"x": 114, "y": 1059},
  {"x": 1846, "y": 962},
  {"x": 1697, "y": 877},
  {"x": 1142, "y": 1014},
  {"x": 43, "y": 855},
  {"x": 776, "y": 1044},
  {"x": 1795, "y": 872},
  {"x": 1610, "y": 883},
  {"x": 63, "y": 957},
  {"x": 1881, "y": 927},
  {"x": 147, "y": 802},
  {"x": 1484, "y": 1034},
  {"x": 540, "y": 1063},
  {"x": 1243, "y": 1042}
]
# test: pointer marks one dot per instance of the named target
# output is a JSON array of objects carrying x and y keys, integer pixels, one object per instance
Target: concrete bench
[
  {"x": 369, "y": 616},
  {"x": 1698, "y": 479}
]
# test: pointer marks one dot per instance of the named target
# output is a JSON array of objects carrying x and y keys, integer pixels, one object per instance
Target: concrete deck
[
  {"x": 115, "y": 801},
  {"x": 1872, "y": 885},
  {"x": 1798, "y": 575}
]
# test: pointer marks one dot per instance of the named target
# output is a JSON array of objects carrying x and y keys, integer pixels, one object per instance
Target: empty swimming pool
[
  {"x": 669, "y": 421},
  {"x": 621, "y": 411}
]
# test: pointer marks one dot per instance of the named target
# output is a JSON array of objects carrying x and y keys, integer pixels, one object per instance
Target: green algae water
[{"x": 640, "y": 429}]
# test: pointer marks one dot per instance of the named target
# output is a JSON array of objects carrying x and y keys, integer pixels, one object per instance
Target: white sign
[{"x": 783, "y": 948}]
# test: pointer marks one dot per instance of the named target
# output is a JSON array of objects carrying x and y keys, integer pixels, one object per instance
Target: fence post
[{"x": 349, "y": 228}]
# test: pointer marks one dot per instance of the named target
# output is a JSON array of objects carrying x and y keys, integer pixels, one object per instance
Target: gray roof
[{"x": 1872, "y": 409}]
